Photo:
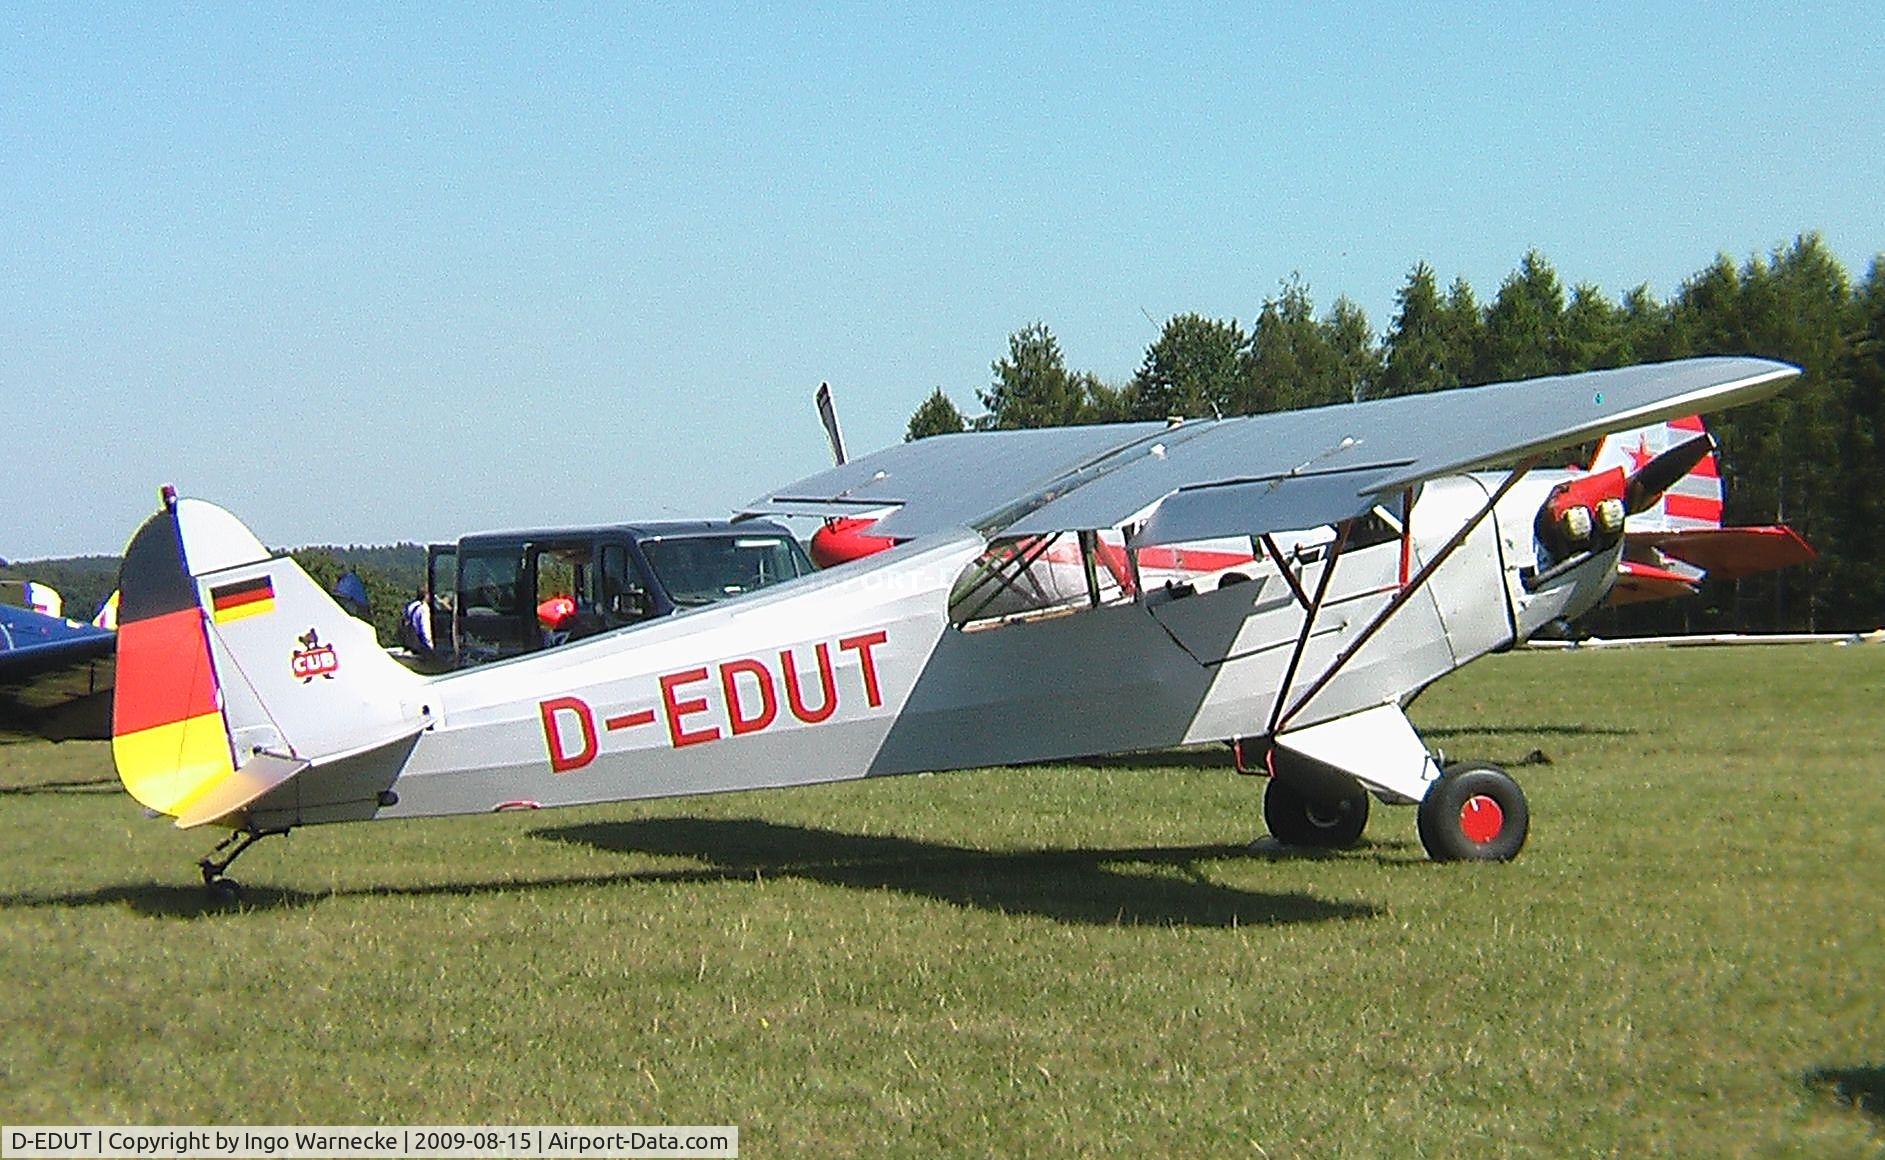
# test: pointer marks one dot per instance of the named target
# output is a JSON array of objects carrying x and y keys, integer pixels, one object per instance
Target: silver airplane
[{"x": 1384, "y": 555}]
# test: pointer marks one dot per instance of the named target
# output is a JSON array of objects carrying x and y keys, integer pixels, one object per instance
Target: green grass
[{"x": 1053, "y": 960}]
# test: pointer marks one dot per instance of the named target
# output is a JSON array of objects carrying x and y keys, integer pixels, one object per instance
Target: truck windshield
[{"x": 698, "y": 570}]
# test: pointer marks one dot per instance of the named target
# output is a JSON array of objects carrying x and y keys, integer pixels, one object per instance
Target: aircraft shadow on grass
[
  {"x": 1074, "y": 886},
  {"x": 1862, "y": 1088},
  {"x": 1469, "y": 741},
  {"x": 1501, "y": 729},
  {"x": 1216, "y": 759},
  {"x": 1219, "y": 757},
  {"x": 93, "y": 785},
  {"x": 1068, "y": 885}
]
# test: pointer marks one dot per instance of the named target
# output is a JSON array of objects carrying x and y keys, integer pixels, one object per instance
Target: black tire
[
  {"x": 1475, "y": 813},
  {"x": 224, "y": 890},
  {"x": 1296, "y": 818}
]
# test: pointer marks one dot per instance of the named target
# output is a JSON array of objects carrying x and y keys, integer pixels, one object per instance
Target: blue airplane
[{"x": 56, "y": 675}]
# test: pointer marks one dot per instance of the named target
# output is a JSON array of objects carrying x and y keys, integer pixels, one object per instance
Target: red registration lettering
[
  {"x": 862, "y": 645},
  {"x": 737, "y": 717},
  {"x": 796, "y": 699},
  {"x": 675, "y": 710},
  {"x": 562, "y": 760}
]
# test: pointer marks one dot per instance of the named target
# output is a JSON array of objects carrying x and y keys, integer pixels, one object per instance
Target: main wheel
[
  {"x": 1296, "y": 818},
  {"x": 1475, "y": 813},
  {"x": 226, "y": 890}
]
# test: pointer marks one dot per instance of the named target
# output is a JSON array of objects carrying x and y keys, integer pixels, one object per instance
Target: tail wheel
[
  {"x": 1476, "y": 813},
  {"x": 1296, "y": 818}
]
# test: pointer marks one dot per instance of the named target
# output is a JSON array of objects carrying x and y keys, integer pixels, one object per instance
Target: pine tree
[
  {"x": 1591, "y": 334},
  {"x": 936, "y": 415},
  {"x": 1521, "y": 338},
  {"x": 1193, "y": 370},
  {"x": 1417, "y": 358},
  {"x": 1032, "y": 386},
  {"x": 1291, "y": 363},
  {"x": 1357, "y": 354}
]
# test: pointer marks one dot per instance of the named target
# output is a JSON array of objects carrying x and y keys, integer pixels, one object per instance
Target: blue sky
[{"x": 378, "y": 273}]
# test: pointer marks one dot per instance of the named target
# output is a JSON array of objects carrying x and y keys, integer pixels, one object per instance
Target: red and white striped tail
[{"x": 1694, "y": 501}]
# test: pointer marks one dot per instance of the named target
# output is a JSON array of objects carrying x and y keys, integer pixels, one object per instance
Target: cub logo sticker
[{"x": 314, "y": 659}]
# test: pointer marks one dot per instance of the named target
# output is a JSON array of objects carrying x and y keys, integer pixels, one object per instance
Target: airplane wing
[
  {"x": 948, "y": 480},
  {"x": 1731, "y": 553},
  {"x": 1256, "y": 473},
  {"x": 48, "y": 665}
]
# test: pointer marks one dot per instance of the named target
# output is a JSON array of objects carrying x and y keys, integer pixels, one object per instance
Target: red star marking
[{"x": 1640, "y": 455}]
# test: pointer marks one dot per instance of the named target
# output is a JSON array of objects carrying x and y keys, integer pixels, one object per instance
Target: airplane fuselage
[{"x": 867, "y": 670}]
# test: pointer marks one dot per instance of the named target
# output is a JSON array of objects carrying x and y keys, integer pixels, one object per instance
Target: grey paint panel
[
  {"x": 1307, "y": 501},
  {"x": 1099, "y": 681},
  {"x": 1257, "y": 447},
  {"x": 1047, "y": 480}
]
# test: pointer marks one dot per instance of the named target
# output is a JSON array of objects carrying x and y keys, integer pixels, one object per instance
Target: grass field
[{"x": 1687, "y": 959}]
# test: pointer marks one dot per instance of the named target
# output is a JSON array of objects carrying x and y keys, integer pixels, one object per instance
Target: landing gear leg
[{"x": 212, "y": 866}]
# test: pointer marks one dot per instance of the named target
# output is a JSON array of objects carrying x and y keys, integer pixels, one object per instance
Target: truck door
[
  {"x": 496, "y": 614},
  {"x": 441, "y": 594},
  {"x": 623, "y": 595}
]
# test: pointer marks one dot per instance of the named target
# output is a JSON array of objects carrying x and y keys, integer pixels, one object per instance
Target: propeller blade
[
  {"x": 1660, "y": 474},
  {"x": 828, "y": 415}
]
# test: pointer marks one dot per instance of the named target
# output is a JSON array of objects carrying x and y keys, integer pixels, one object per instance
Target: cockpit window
[
  {"x": 697, "y": 570},
  {"x": 1025, "y": 577}
]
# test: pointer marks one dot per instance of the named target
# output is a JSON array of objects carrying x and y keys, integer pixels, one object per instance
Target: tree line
[
  {"x": 1808, "y": 457},
  {"x": 391, "y": 574}
]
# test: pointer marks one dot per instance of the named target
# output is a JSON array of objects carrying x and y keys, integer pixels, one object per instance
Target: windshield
[{"x": 698, "y": 570}]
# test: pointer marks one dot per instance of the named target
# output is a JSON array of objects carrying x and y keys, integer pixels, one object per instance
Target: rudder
[{"x": 169, "y": 739}]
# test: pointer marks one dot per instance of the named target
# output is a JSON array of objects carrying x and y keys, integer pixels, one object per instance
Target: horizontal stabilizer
[
  {"x": 251, "y": 780},
  {"x": 32, "y": 643}
]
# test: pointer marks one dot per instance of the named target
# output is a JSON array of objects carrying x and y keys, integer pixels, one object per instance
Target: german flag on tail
[
  {"x": 168, "y": 736},
  {"x": 242, "y": 600}
]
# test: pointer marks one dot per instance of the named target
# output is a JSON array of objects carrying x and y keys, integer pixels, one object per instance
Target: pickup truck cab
[{"x": 502, "y": 594}]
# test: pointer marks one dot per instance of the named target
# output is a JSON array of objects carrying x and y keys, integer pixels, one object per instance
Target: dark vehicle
[{"x": 502, "y": 594}]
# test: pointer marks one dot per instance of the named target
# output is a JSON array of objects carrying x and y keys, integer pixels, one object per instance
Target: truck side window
[
  {"x": 494, "y": 622},
  {"x": 623, "y": 590}
]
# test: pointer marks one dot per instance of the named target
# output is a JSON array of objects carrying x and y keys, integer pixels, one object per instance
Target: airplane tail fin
[
  {"x": 107, "y": 613},
  {"x": 236, "y": 671},
  {"x": 1694, "y": 501},
  {"x": 44, "y": 599}
]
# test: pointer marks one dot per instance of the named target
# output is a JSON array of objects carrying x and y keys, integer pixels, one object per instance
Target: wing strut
[
  {"x": 1282, "y": 565},
  {"x": 1309, "y": 615},
  {"x": 1281, "y": 719}
]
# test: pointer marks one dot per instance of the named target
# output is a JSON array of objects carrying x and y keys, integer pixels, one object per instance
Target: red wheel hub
[{"x": 1481, "y": 819}]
